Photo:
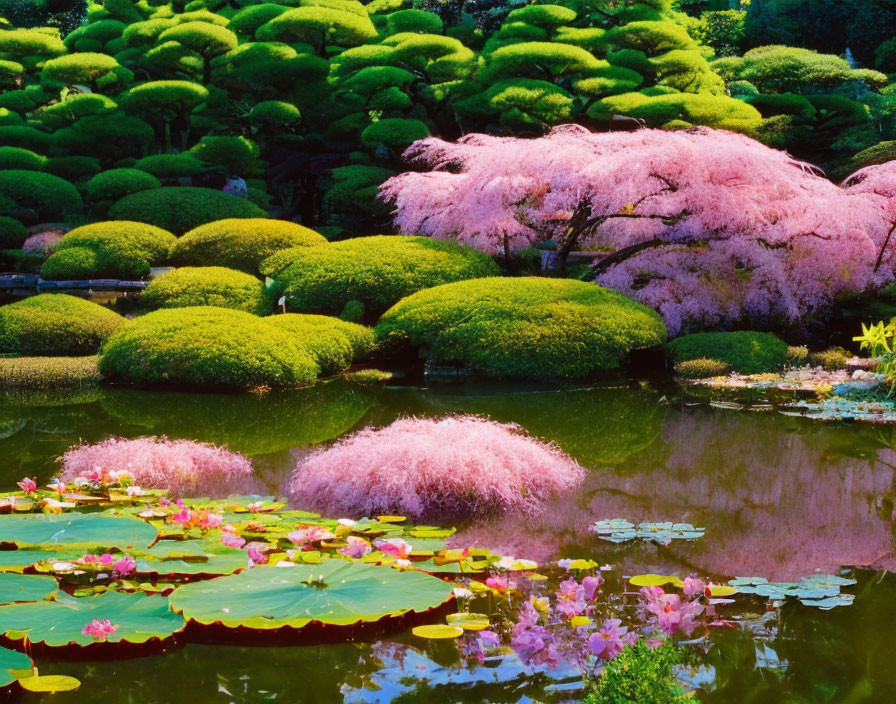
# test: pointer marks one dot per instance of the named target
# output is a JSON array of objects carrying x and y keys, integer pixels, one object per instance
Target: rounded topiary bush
[
  {"x": 209, "y": 348},
  {"x": 117, "y": 183},
  {"x": 208, "y": 286},
  {"x": 378, "y": 271},
  {"x": 531, "y": 328},
  {"x": 115, "y": 249},
  {"x": 12, "y": 233},
  {"x": 456, "y": 467},
  {"x": 240, "y": 243},
  {"x": 701, "y": 368},
  {"x": 181, "y": 209},
  {"x": 55, "y": 325},
  {"x": 50, "y": 197},
  {"x": 183, "y": 467},
  {"x": 334, "y": 343},
  {"x": 744, "y": 352}
]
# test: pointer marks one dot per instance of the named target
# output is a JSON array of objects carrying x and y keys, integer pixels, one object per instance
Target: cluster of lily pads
[
  {"x": 822, "y": 591},
  {"x": 619, "y": 530}
]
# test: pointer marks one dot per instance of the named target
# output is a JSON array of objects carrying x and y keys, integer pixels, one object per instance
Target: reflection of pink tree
[{"x": 707, "y": 227}]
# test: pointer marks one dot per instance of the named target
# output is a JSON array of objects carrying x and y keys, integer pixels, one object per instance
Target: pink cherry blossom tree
[{"x": 708, "y": 227}]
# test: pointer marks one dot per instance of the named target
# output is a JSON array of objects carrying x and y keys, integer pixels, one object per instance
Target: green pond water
[{"x": 780, "y": 497}]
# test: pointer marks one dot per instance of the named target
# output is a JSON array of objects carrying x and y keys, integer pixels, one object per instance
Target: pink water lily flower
[
  {"x": 356, "y": 547},
  {"x": 670, "y": 612},
  {"x": 125, "y": 566},
  {"x": 693, "y": 587},
  {"x": 99, "y": 630},
  {"x": 590, "y": 585},
  {"x": 258, "y": 558},
  {"x": 232, "y": 540},
  {"x": 401, "y": 549},
  {"x": 28, "y": 485},
  {"x": 58, "y": 487},
  {"x": 609, "y": 641},
  {"x": 106, "y": 560},
  {"x": 500, "y": 583},
  {"x": 309, "y": 534}
]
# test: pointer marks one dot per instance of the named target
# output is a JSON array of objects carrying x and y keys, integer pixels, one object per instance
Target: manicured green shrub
[
  {"x": 394, "y": 132},
  {"x": 233, "y": 153},
  {"x": 526, "y": 328},
  {"x": 46, "y": 373},
  {"x": 22, "y": 159},
  {"x": 99, "y": 71},
  {"x": 333, "y": 342},
  {"x": 745, "y": 352},
  {"x": 701, "y": 368},
  {"x": 181, "y": 209},
  {"x": 171, "y": 166},
  {"x": 208, "y": 286},
  {"x": 797, "y": 355},
  {"x": 115, "y": 249},
  {"x": 12, "y": 233},
  {"x": 72, "y": 168},
  {"x": 378, "y": 271},
  {"x": 274, "y": 114},
  {"x": 117, "y": 183},
  {"x": 240, "y": 243},
  {"x": 830, "y": 359},
  {"x": 52, "y": 198},
  {"x": 209, "y": 348},
  {"x": 55, "y": 325},
  {"x": 25, "y": 137}
]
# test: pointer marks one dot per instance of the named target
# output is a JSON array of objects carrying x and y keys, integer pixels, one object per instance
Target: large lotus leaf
[
  {"x": 13, "y": 666},
  {"x": 18, "y": 560},
  {"x": 191, "y": 557},
  {"x": 15, "y": 588},
  {"x": 59, "y": 623},
  {"x": 46, "y": 530},
  {"x": 335, "y": 592}
]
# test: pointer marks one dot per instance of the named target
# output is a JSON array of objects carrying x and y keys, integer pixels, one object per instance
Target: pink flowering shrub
[
  {"x": 710, "y": 228},
  {"x": 184, "y": 467},
  {"x": 458, "y": 466},
  {"x": 41, "y": 243}
]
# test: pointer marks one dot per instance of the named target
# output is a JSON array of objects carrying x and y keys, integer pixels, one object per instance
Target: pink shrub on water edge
[
  {"x": 184, "y": 467},
  {"x": 455, "y": 467},
  {"x": 41, "y": 243}
]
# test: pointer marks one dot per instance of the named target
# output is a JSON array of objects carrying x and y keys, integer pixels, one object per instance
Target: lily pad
[
  {"x": 66, "y": 529},
  {"x": 653, "y": 580},
  {"x": 18, "y": 560},
  {"x": 469, "y": 621},
  {"x": 18, "y": 588},
  {"x": 618, "y": 530},
  {"x": 13, "y": 666},
  {"x": 438, "y": 632},
  {"x": 336, "y": 592},
  {"x": 60, "y": 623},
  {"x": 49, "y": 683},
  {"x": 191, "y": 557}
]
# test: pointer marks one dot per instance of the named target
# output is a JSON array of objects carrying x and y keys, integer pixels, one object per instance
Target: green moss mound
[
  {"x": 208, "y": 286},
  {"x": 117, "y": 249},
  {"x": 240, "y": 243},
  {"x": 55, "y": 325},
  {"x": 180, "y": 210},
  {"x": 378, "y": 271},
  {"x": 207, "y": 348},
  {"x": 526, "y": 328},
  {"x": 744, "y": 352},
  {"x": 333, "y": 342}
]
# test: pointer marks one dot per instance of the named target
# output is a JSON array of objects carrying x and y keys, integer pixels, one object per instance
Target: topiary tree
[
  {"x": 180, "y": 210},
  {"x": 207, "y": 348},
  {"x": 12, "y": 233},
  {"x": 55, "y": 325},
  {"x": 377, "y": 271},
  {"x": 99, "y": 72},
  {"x": 208, "y": 286},
  {"x": 165, "y": 104},
  {"x": 233, "y": 153},
  {"x": 781, "y": 242},
  {"x": 72, "y": 107},
  {"x": 171, "y": 167},
  {"x": 240, "y": 244},
  {"x": 115, "y": 184},
  {"x": 108, "y": 136},
  {"x": 204, "y": 39},
  {"x": 396, "y": 134},
  {"x": 44, "y": 196},
  {"x": 524, "y": 328},
  {"x": 324, "y": 24},
  {"x": 115, "y": 249}
]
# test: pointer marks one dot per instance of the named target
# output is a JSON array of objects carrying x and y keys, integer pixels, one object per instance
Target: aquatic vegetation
[
  {"x": 208, "y": 286},
  {"x": 56, "y": 325},
  {"x": 377, "y": 271},
  {"x": 454, "y": 467},
  {"x": 523, "y": 328},
  {"x": 618, "y": 530},
  {"x": 46, "y": 373},
  {"x": 819, "y": 590},
  {"x": 744, "y": 352},
  {"x": 641, "y": 673},
  {"x": 880, "y": 341},
  {"x": 183, "y": 467}
]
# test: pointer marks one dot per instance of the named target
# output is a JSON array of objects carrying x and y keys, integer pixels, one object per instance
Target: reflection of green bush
[{"x": 246, "y": 423}]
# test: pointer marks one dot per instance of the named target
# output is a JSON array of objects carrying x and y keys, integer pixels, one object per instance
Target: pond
[{"x": 780, "y": 497}]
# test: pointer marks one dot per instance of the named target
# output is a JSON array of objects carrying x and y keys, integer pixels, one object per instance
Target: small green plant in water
[
  {"x": 880, "y": 340},
  {"x": 642, "y": 675}
]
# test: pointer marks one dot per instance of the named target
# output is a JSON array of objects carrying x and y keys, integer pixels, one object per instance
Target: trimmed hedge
[
  {"x": 744, "y": 352},
  {"x": 378, "y": 271},
  {"x": 208, "y": 286},
  {"x": 46, "y": 373},
  {"x": 117, "y": 183},
  {"x": 12, "y": 233},
  {"x": 333, "y": 342},
  {"x": 524, "y": 328},
  {"x": 240, "y": 244},
  {"x": 115, "y": 249},
  {"x": 181, "y": 209},
  {"x": 209, "y": 348},
  {"x": 51, "y": 197},
  {"x": 55, "y": 325}
]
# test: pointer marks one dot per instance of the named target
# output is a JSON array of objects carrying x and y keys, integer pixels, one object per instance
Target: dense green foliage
[
  {"x": 208, "y": 286},
  {"x": 240, "y": 244},
  {"x": 12, "y": 233},
  {"x": 641, "y": 675},
  {"x": 377, "y": 271},
  {"x": 48, "y": 373},
  {"x": 115, "y": 184},
  {"x": 531, "y": 328},
  {"x": 115, "y": 249},
  {"x": 207, "y": 347},
  {"x": 53, "y": 325},
  {"x": 41, "y": 195},
  {"x": 180, "y": 210},
  {"x": 333, "y": 342},
  {"x": 745, "y": 352}
]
